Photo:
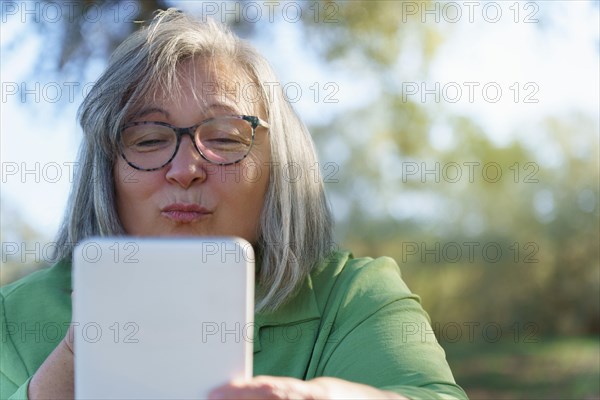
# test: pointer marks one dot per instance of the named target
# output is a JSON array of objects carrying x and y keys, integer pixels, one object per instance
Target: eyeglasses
[{"x": 225, "y": 140}]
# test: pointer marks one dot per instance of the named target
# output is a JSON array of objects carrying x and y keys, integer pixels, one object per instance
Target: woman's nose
[{"x": 187, "y": 166}]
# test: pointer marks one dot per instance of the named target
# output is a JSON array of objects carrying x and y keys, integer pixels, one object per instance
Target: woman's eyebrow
[
  {"x": 150, "y": 110},
  {"x": 223, "y": 107}
]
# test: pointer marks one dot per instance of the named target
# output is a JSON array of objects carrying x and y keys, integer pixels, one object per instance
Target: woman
[{"x": 145, "y": 173}]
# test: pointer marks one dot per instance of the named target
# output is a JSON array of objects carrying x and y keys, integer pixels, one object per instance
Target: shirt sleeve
[
  {"x": 34, "y": 311},
  {"x": 21, "y": 391},
  {"x": 12, "y": 368},
  {"x": 382, "y": 337}
]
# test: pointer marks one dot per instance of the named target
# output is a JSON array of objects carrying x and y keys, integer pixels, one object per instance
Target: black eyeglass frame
[{"x": 254, "y": 121}]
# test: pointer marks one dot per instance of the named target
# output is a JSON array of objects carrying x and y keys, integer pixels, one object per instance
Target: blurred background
[{"x": 460, "y": 138}]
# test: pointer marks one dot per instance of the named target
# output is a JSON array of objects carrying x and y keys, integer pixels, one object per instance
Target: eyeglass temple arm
[{"x": 255, "y": 121}]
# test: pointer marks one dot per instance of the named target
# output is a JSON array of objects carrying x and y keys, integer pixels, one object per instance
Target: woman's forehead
[{"x": 213, "y": 85}]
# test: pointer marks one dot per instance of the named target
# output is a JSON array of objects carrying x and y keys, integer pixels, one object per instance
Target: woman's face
[{"x": 190, "y": 196}]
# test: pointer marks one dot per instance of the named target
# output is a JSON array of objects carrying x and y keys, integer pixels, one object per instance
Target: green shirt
[{"x": 353, "y": 319}]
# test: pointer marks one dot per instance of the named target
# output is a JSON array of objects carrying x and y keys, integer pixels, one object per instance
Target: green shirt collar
[{"x": 303, "y": 307}]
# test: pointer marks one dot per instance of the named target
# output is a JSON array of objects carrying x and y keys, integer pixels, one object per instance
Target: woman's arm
[
  {"x": 54, "y": 378},
  {"x": 272, "y": 387}
]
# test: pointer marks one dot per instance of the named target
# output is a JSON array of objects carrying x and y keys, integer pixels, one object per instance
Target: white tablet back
[{"x": 161, "y": 318}]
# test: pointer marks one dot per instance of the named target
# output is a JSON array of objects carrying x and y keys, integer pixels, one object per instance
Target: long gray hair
[{"x": 296, "y": 223}]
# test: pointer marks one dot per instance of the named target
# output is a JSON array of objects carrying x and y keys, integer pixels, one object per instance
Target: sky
[{"x": 542, "y": 68}]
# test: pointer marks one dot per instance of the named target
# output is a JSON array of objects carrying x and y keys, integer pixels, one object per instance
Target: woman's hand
[{"x": 272, "y": 387}]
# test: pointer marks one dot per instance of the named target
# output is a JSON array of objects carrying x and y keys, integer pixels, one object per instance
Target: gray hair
[{"x": 296, "y": 223}]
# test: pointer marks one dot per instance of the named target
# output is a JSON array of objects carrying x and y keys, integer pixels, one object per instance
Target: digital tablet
[{"x": 161, "y": 318}]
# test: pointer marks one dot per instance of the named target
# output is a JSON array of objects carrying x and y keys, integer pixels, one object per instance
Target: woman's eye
[
  {"x": 151, "y": 142},
  {"x": 222, "y": 136},
  {"x": 226, "y": 142},
  {"x": 225, "y": 139}
]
